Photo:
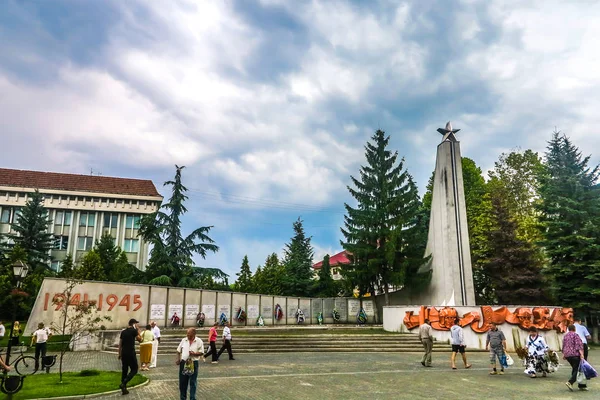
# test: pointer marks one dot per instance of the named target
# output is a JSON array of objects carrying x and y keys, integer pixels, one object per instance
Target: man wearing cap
[{"x": 127, "y": 353}]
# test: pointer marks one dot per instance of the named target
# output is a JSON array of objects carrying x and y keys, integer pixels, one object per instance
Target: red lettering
[
  {"x": 46, "y": 299},
  {"x": 137, "y": 301},
  {"x": 112, "y": 301},
  {"x": 75, "y": 300},
  {"x": 100, "y": 299},
  {"x": 58, "y": 300},
  {"x": 125, "y": 302}
]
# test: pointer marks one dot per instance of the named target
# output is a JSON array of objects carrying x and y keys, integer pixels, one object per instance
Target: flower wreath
[
  {"x": 278, "y": 312},
  {"x": 223, "y": 319},
  {"x": 241, "y": 315},
  {"x": 361, "y": 317},
  {"x": 336, "y": 315}
]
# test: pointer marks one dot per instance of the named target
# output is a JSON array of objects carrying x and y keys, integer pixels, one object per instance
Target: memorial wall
[{"x": 146, "y": 303}]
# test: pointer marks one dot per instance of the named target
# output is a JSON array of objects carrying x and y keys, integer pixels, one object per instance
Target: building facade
[
  {"x": 81, "y": 209},
  {"x": 335, "y": 262}
]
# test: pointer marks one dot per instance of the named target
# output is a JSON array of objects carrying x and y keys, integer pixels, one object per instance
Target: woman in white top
[
  {"x": 146, "y": 348},
  {"x": 536, "y": 357}
]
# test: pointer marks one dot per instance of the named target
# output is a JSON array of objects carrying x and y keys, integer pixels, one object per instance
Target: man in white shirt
[
  {"x": 457, "y": 340},
  {"x": 584, "y": 334},
  {"x": 39, "y": 338},
  {"x": 2, "y": 330},
  {"x": 188, "y": 353},
  {"x": 226, "y": 342},
  {"x": 156, "y": 333}
]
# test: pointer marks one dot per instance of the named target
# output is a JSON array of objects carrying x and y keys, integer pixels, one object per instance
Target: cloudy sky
[{"x": 269, "y": 103}]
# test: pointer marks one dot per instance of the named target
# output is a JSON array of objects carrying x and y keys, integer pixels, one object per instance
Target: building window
[
  {"x": 61, "y": 242},
  {"x": 5, "y": 216},
  {"x": 110, "y": 220},
  {"x": 132, "y": 222},
  {"x": 132, "y": 245},
  {"x": 58, "y": 218},
  {"x": 56, "y": 266},
  {"x": 84, "y": 243},
  {"x": 87, "y": 219}
]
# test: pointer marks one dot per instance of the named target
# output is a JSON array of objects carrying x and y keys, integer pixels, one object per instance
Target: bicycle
[{"x": 24, "y": 365}]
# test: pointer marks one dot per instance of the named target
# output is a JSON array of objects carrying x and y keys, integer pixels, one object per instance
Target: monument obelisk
[{"x": 448, "y": 238}]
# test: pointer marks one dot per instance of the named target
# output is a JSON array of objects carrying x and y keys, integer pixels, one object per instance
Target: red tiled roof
[
  {"x": 79, "y": 183},
  {"x": 339, "y": 258}
]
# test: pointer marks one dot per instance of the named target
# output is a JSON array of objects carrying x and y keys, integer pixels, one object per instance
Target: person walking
[
  {"x": 457, "y": 339},
  {"x": 127, "y": 353},
  {"x": 496, "y": 344},
  {"x": 155, "y": 342},
  {"x": 427, "y": 341},
  {"x": 2, "y": 331},
  {"x": 584, "y": 335},
  {"x": 536, "y": 354},
  {"x": 188, "y": 352},
  {"x": 573, "y": 353},
  {"x": 39, "y": 338},
  {"x": 146, "y": 348},
  {"x": 212, "y": 342},
  {"x": 226, "y": 342}
]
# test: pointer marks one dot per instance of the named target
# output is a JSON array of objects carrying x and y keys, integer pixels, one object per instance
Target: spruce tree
[
  {"x": 570, "y": 210},
  {"x": 513, "y": 268},
  {"x": 387, "y": 204},
  {"x": 326, "y": 285},
  {"x": 66, "y": 269},
  {"x": 244, "y": 280},
  {"x": 32, "y": 231},
  {"x": 109, "y": 253},
  {"x": 91, "y": 268},
  {"x": 297, "y": 262}
]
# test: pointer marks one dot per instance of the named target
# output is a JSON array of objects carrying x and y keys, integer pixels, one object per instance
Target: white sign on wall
[
  {"x": 368, "y": 306},
  {"x": 209, "y": 311},
  {"x": 226, "y": 310},
  {"x": 191, "y": 311},
  {"x": 157, "y": 311},
  {"x": 353, "y": 308},
  {"x": 175, "y": 308},
  {"x": 252, "y": 311}
]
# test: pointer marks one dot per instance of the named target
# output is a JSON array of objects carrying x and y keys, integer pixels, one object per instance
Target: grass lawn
[
  {"x": 74, "y": 383},
  {"x": 53, "y": 342}
]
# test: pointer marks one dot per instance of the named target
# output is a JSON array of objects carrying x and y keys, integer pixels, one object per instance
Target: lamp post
[{"x": 20, "y": 270}]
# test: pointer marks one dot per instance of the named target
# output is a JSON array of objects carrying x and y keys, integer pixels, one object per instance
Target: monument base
[{"x": 514, "y": 321}]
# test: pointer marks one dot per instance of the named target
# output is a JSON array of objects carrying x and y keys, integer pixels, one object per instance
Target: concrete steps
[{"x": 254, "y": 340}]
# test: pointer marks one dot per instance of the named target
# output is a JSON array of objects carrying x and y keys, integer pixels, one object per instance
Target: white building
[{"x": 82, "y": 208}]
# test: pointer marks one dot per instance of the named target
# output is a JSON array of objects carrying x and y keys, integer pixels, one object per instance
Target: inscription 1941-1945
[{"x": 104, "y": 302}]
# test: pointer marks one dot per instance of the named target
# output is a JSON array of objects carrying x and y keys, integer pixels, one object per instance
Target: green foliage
[
  {"x": 171, "y": 253},
  {"x": 244, "y": 281},
  {"x": 297, "y": 263},
  {"x": 570, "y": 210},
  {"x": 513, "y": 269},
  {"x": 268, "y": 279},
  {"x": 67, "y": 268},
  {"x": 326, "y": 286},
  {"x": 91, "y": 268},
  {"x": 382, "y": 253}
]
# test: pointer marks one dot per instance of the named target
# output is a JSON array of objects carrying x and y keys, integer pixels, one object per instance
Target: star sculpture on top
[{"x": 448, "y": 132}]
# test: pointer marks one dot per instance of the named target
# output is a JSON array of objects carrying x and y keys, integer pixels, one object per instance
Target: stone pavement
[{"x": 343, "y": 376}]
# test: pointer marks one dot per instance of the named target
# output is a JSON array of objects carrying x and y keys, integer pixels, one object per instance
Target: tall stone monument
[{"x": 448, "y": 239}]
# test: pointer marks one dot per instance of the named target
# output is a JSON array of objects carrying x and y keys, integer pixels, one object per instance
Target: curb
[{"x": 93, "y": 395}]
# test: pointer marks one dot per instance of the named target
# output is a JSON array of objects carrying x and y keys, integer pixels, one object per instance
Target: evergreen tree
[
  {"x": 32, "y": 231},
  {"x": 91, "y": 268},
  {"x": 513, "y": 269},
  {"x": 387, "y": 205},
  {"x": 171, "y": 253},
  {"x": 297, "y": 263},
  {"x": 244, "y": 281},
  {"x": 109, "y": 253},
  {"x": 66, "y": 270},
  {"x": 269, "y": 279},
  {"x": 326, "y": 286},
  {"x": 570, "y": 210}
]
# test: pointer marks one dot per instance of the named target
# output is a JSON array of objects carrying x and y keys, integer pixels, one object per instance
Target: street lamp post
[{"x": 20, "y": 270}]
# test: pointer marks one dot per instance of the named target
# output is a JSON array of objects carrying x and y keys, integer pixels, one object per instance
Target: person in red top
[
  {"x": 573, "y": 353},
  {"x": 212, "y": 340}
]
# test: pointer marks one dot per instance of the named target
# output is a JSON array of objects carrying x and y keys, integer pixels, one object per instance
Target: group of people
[
  {"x": 39, "y": 339},
  {"x": 538, "y": 359},
  {"x": 189, "y": 352}
]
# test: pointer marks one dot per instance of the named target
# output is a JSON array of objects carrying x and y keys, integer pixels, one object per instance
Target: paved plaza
[{"x": 325, "y": 376}]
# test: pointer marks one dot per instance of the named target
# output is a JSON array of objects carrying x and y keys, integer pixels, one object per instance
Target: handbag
[
  {"x": 188, "y": 367},
  {"x": 581, "y": 378},
  {"x": 587, "y": 369},
  {"x": 503, "y": 360},
  {"x": 509, "y": 360}
]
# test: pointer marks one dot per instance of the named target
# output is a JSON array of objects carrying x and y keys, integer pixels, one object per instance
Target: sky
[{"x": 269, "y": 103}]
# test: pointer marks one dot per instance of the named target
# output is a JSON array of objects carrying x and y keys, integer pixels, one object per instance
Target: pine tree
[
  {"x": 297, "y": 263},
  {"x": 270, "y": 279},
  {"x": 570, "y": 210},
  {"x": 109, "y": 253},
  {"x": 513, "y": 267},
  {"x": 244, "y": 281},
  {"x": 171, "y": 253},
  {"x": 66, "y": 269},
  {"x": 326, "y": 285},
  {"x": 91, "y": 268},
  {"x": 32, "y": 231},
  {"x": 388, "y": 204}
]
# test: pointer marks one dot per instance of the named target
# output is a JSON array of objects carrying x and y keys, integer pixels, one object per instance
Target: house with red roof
[{"x": 335, "y": 262}]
